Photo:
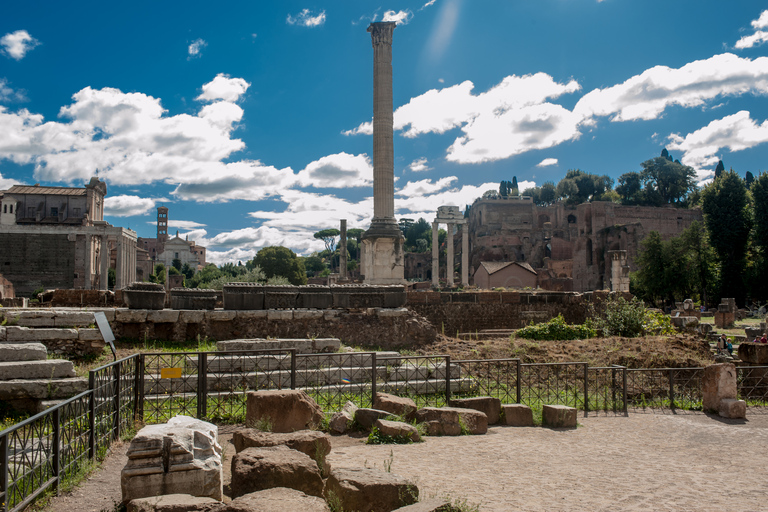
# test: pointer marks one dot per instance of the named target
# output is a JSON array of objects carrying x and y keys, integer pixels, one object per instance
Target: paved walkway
[{"x": 642, "y": 462}]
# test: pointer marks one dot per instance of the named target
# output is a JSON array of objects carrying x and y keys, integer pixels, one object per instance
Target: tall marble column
[
  {"x": 465, "y": 253},
  {"x": 435, "y": 255},
  {"x": 88, "y": 261},
  {"x": 119, "y": 264},
  {"x": 104, "y": 273},
  {"x": 449, "y": 262},
  {"x": 343, "y": 250}
]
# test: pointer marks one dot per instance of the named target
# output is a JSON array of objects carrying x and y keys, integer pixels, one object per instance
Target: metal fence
[{"x": 44, "y": 450}]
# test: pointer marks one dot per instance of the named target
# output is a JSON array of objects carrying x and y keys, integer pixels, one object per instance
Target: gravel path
[{"x": 683, "y": 462}]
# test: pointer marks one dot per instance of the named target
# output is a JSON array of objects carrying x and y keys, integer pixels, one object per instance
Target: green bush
[
  {"x": 630, "y": 319},
  {"x": 556, "y": 329},
  {"x": 657, "y": 323},
  {"x": 376, "y": 437}
]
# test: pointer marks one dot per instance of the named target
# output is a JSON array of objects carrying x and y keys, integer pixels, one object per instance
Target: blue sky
[{"x": 251, "y": 120}]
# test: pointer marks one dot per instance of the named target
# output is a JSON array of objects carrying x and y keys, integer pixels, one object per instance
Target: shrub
[
  {"x": 556, "y": 329},
  {"x": 657, "y": 323}
]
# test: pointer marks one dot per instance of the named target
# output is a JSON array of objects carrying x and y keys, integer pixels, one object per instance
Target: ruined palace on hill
[{"x": 570, "y": 247}]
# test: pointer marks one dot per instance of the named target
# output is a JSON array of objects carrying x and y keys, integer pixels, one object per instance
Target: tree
[
  {"x": 176, "y": 263},
  {"x": 749, "y": 178},
  {"x": 719, "y": 169},
  {"x": 313, "y": 264},
  {"x": 630, "y": 188},
  {"x": 188, "y": 271},
  {"x": 328, "y": 236},
  {"x": 672, "y": 181},
  {"x": 700, "y": 259},
  {"x": 278, "y": 261},
  {"x": 725, "y": 204},
  {"x": 759, "y": 191},
  {"x": 158, "y": 276},
  {"x": 651, "y": 261}
]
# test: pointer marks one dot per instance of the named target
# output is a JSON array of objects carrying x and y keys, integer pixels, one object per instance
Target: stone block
[
  {"x": 257, "y": 469},
  {"x": 279, "y": 499},
  {"x": 243, "y": 296},
  {"x": 724, "y": 319},
  {"x": 2, "y": 333},
  {"x": 182, "y": 456},
  {"x": 192, "y": 316},
  {"x": 429, "y": 505},
  {"x": 252, "y": 344},
  {"x": 558, "y": 416},
  {"x": 732, "y": 408},
  {"x": 307, "y": 314},
  {"x": 131, "y": 316},
  {"x": 49, "y": 368},
  {"x": 331, "y": 314},
  {"x": 174, "y": 503},
  {"x": 286, "y": 410},
  {"x": 517, "y": 415},
  {"x": 280, "y": 315},
  {"x": 366, "y": 418},
  {"x": 753, "y": 353},
  {"x": 40, "y": 389},
  {"x": 392, "y": 313},
  {"x": 486, "y": 404},
  {"x": 251, "y": 315},
  {"x": 220, "y": 316},
  {"x": 340, "y": 421},
  {"x": 398, "y": 406},
  {"x": 35, "y": 318},
  {"x": 370, "y": 490},
  {"x": 89, "y": 335},
  {"x": 14, "y": 333},
  {"x": 718, "y": 382},
  {"x": 448, "y": 421},
  {"x": 326, "y": 345},
  {"x": 22, "y": 352},
  {"x": 163, "y": 316},
  {"x": 314, "y": 444},
  {"x": 280, "y": 297},
  {"x": 398, "y": 429},
  {"x": 73, "y": 319}
]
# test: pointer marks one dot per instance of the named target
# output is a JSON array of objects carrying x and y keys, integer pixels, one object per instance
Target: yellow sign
[{"x": 170, "y": 373}]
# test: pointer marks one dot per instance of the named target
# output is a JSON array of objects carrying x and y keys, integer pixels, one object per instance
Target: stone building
[
  {"x": 162, "y": 250},
  {"x": 506, "y": 274},
  {"x": 567, "y": 246},
  {"x": 56, "y": 237}
]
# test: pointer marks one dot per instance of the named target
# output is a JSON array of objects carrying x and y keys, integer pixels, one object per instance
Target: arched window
[{"x": 589, "y": 252}]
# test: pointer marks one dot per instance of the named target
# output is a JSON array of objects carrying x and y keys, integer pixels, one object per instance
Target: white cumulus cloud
[
  {"x": 337, "y": 171},
  {"x": 127, "y": 206},
  {"x": 400, "y": 17},
  {"x": 195, "y": 49},
  {"x": 306, "y": 19},
  {"x": 17, "y": 44},
  {"x": 759, "y": 36},
  {"x": 547, "y": 162},
  {"x": 419, "y": 165},
  {"x": 223, "y": 87},
  {"x": 7, "y": 94}
]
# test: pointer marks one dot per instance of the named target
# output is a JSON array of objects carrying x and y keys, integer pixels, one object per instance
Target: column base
[{"x": 383, "y": 259}]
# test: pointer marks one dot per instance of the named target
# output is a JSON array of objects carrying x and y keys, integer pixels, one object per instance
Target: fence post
[
  {"x": 374, "y": 374},
  {"x": 613, "y": 388},
  {"x": 447, "y": 379},
  {"x": 671, "y": 378},
  {"x": 116, "y": 401},
  {"x": 202, "y": 385},
  {"x": 586, "y": 389},
  {"x": 624, "y": 379},
  {"x": 92, "y": 415},
  {"x": 140, "y": 388},
  {"x": 56, "y": 441},
  {"x": 136, "y": 383},
  {"x": 518, "y": 382},
  {"x": 5, "y": 502},
  {"x": 293, "y": 368}
]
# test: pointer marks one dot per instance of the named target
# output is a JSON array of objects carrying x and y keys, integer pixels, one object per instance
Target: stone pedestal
[
  {"x": 382, "y": 260},
  {"x": 718, "y": 383}
]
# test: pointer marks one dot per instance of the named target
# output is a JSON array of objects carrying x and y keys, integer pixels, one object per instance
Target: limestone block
[
  {"x": 370, "y": 490},
  {"x": 50, "y": 368},
  {"x": 448, "y": 421},
  {"x": 732, "y": 408},
  {"x": 287, "y": 410},
  {"x": 22, "y": 352},
  {"x": 326, "y": 345},
  {"x": 558, "y": 416},
  {"x": 2, "y": 333},
  {"x": 42, "y": 388},
  {"x": 398, "y": 429},
  {"x": 331, "y": 314},
  {"x": 163, "y": 316},
  {"x": 131, "y": 316},
  {"x": 109, "y": 313},
  {"x": 307, "y": 314},
  {"x": 14, "y": 333},
  {"x": 34, "y": 318},
  {"x": 398, "y": 406},
  {"x": 392, "y": 313},
  {"x": 256, "y": 469},
  {"x": 252, "y": 344},
  {"x": 718, "y": 382},
  {"x": 280, "y": 315},
  {"x": 188, "y": 316},
  {"x": 279, "y": 499},
  {"x": 439, "y": 371},
  {"x": 517, "y": 415},
  {"x": 89, "y": 335},
  {"x": 341, "y": 420},
  {"x": 409, "y": 372},
  {"x": 367, "y": 417},
  {"x": 174, "y": 503},
  {"x": 489, "y": 405},
  {"x": 312, "y": 443},
  {"x": 430, "y": 505},
  {"x": 73, "y": 319},
  {"x": 753, "y": 353},
  {"x": 251, "y": 314},
  {"x": 220, "y": 316},
  {"x": 182, "y": 456}
]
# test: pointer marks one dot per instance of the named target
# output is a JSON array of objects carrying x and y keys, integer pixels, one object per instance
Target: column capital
[{"x": 381, "y": 32}]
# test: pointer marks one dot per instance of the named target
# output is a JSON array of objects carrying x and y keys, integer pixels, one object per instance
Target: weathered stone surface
[
  {"x": 367, "y": 417},
  {"x": 732, "y": 408},
  {"x": 279, "y": 499},
  {"x": 50, "y": 368},
  {"x": 307, "y": 314},
  {"x": 280, "y": 314},
  {"x": 398, "y": 429},
  {"x": 370, "y": 490},
  {"x": 447, "y": 421},
  {"x": 41, "y": 388},
  {"x": 15, "y": 333},
  {"x": 73, "y": 319},
  {"x": 220, "y": 316},
  {"x": 2, "y": 333},
  {"x": 22, "y": 352},
  {"x": 399, "y": 406},
  {"x": 191, "y": 316},
  {"x": 517, "y": 415},
  {"x": 489, "y": 405},
  {"x": 131, "y": 316},
  {"x": 256, "y": 469},
  {"x": 286, "y": 410},
  {"x": 754, "y": 353},
  {"x": 389, "y": 313},
  {"x": 558, "y": 416},
  {"x": 313, "y": 443},
  {"x": 251, "y": 315},
  {"x": 252, "y": 344},
  {"x": 718, "y": 382},
  {"x": 163, "y": 316},
  {"x": 340, "y": 421},
  {"x": 35, "y": 318},
  {"x": 174, "y": 503},
  {"x": 182, "y": 456},
  {"x": 431, "y": 505},
  {"x": 89, "y": 335}
]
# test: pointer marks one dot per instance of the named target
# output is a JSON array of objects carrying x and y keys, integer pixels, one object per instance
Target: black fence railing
[{"x": 48, "y": 448}]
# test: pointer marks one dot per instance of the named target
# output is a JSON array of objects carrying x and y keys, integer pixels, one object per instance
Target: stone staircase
[
  {"x": 62, "y": 331},
  {"x": 31, "y": 382},
  {"x": 486, "y": 334}
]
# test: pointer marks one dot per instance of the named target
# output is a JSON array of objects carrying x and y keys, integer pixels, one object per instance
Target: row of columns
[
  {"x": 125, "y": 265},
  {"x": 464, "y": 254}
]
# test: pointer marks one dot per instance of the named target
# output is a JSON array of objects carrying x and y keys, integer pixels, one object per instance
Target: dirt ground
[{"x": 662, "y": 461}]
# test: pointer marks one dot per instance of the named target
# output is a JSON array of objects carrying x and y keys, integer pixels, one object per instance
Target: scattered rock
[
  {"x": 174, "y": 503},
  {"x": 518, "y": 415},
  {"x": 433, "y": 505},
  {"x": 340, "y": 421},
  {"x": 398, "y": 406},
  {"x": 316, "y": 445},
  {"x": 369, "y": 490},
  {"x": 732, "y": 408},
  {"x": 558, "y": 416},
  {"x": 718, "y": 382},
  {"x": 398, "y": 429},
  {"x": 257, "y": 469},
  {"x": 447, "y": 421},
  {"x": 367, "y": 417},
  {"x": 279, "y": 499},
  {"x": 285, "y": 410},
  {"x": 487, "y": 404}
]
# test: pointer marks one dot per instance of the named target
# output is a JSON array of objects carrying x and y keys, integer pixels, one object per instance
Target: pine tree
[
  {"x": 749, "y": 178},
  {"x": 719, "y": 169}
]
